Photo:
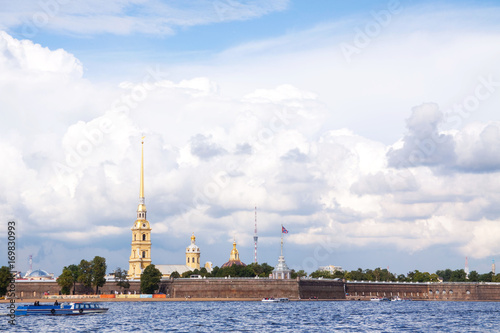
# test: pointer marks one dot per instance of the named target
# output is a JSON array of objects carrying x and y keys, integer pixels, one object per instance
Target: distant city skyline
[{"x": 370, "y": 131}]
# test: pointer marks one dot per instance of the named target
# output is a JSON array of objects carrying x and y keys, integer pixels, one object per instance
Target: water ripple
[{"x": 313, "y": 316}]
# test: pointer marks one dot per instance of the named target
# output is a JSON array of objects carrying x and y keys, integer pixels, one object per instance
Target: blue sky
[{"x": 369, "y": 129}]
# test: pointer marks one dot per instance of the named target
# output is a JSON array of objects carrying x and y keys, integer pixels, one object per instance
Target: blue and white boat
[{"x": 60, "y": 309}]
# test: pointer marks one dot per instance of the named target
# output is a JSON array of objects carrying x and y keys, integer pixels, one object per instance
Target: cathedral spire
[
  {"x": 140, "y": 255},
  {"x": 141, "y": 192}
]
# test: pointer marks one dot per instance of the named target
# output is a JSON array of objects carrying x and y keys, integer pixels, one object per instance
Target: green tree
[
  {"x": 301, "y": 273},
  {"x": 85, "y": 273},
  {"x": 357, "y": 275},
  {"x": 338, "y": 274},
  {"x": 445, "y": 274},
  {"x": 75, "y": 272},
  {"x": 65, "y": 281},
  {"x": 121, "y": 278},
  {"x": 98, "y": 272},
  {"x": 266, "y": 269},
  {"x": 434, "y": 277},
  {"x": 368, "y": 275},
  {"x": 215, "y": 271},
  {"x": 458, "y": 276},
  {"x": 203, "y": 271},
  {"x": 487, "y": 277},
  {"x": 418, "y": 276},
  {"x": 473, "y": 276},
  {"x": 5, "y": 278},
  {"x": 294, "y": 274},
  {"x": 187, "y": 274},
  {"x": 320, "y": 273},
  {"x": 150, "y": 279},
  {"x": 175, "y": 275}
]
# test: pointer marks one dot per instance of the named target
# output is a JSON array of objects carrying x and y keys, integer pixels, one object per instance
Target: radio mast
[
  {"x": 255, "y": 237},
  {"x": 466, "y": 268}
]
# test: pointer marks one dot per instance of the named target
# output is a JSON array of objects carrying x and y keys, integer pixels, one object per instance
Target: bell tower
[
  {"x": 140, "y": 256},
  {"x": 193, "y": 255}
]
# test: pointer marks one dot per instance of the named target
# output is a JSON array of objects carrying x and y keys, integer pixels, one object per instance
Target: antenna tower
[
  {"x": 466, "y": 268},
  {"x": 255, "y": 237}
]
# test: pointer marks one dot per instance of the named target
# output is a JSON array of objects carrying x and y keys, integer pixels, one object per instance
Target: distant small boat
[
  {"x": 275, "y": 300},
  {"x": 380, "y": 299},
  {"x": 60, "y": 309}
]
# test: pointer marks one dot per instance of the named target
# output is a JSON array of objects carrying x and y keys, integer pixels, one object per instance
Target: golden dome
[
  {"x": 141, "y": 208},
  {"x": 234, "y": 253}
]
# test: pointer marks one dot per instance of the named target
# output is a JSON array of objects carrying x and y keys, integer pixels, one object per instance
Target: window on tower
[
  {"x": 144, "y": 254},
  {"x": 143, "y": 237}
]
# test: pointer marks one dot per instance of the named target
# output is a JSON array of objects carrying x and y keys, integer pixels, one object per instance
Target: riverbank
[{"x": 60, "y": 300}]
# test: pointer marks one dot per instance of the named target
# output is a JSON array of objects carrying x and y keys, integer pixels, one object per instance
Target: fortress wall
[
  {"x": 293, "y": 289},
  {"x": 321, "y": 289},
  {"x": 453, "y": 292},
  {"x": 489, "y": 292},
  {"x": 36, "y": 289},
  {"x": 465, "y": 291},
  {"x": 33, "y": 289},
  {"x": 446, "y": 291},
  {"x": 367, "y": 290},
  {"x": 234, "y": 288}
]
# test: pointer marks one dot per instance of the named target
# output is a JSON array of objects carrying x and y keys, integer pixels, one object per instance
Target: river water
[{"x": 310, "y": 316}]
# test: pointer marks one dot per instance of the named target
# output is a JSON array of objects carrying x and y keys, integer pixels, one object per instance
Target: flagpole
[{"x": 282, "y": 240}]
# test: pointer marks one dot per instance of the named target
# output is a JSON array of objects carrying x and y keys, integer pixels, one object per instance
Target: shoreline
[
  {"x": 194, "y": 299},
  {"x": 183, "y": 299}
]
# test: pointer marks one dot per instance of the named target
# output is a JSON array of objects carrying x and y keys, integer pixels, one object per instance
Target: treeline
[
  {"x": 88, "y": 273},
  {"x": 251, "y": 270},
  {"x": 379, "y": 274}
]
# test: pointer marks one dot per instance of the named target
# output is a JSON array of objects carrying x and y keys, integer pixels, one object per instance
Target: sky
[{"x": 370, "y": 130}]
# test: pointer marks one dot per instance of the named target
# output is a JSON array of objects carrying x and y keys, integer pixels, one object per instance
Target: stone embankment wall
[
  {"x": 35, "y": 289},
  {"x": 367, "y": 290},
  {"x": 293, "y": 289},
  {"x": 447, "y": 291},
  {"x": 321, "y": 289},
  {"x": 208, "y": 288},
  {"x": 233, "y": 288}
]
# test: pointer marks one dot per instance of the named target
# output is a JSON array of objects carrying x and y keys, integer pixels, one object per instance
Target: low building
[
  {"x": 39, "y": 275},
  {"x": 331, "y": 269}
]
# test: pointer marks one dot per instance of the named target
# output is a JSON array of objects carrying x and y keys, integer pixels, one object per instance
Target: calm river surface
[{"x": 312, "y": 316}]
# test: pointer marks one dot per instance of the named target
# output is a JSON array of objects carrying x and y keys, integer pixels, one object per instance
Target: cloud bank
[
  {"x": 127, "y": 17},
  {"x": 73, "y": 148}
]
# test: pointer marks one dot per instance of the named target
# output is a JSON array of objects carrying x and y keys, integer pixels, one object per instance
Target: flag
[{"x": 283, "y": 230}]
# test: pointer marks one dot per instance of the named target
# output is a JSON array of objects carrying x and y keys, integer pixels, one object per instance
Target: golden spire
[
  {"x": 142, "y": 205},
  {"x": 141, "y": 194},
  {"x": 234, "y": 252},
  {"x": 193, "y": 238}
]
